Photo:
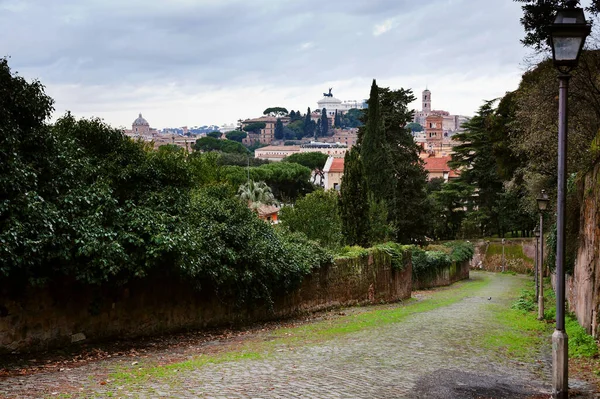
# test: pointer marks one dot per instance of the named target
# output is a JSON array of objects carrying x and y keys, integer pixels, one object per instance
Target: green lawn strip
[
  {"x": 307, "y": 334},
  {"x": 521, "y": 336},
  {"x": 515, "y": 331}
]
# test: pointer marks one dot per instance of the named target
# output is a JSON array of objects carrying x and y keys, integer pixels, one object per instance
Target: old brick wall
[
  {"x": 583, "y": 287},
  {"x": 445, "y": 276},
  {"x": 40, "y": 318}
]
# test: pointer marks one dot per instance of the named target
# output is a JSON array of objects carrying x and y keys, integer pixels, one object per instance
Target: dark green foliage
[
  {"x": 414, "y": 127},
  {"x": 278, "y": 129},
  {"x": 296, "y": 116},
  {"x": 527, "y": 302},
  {"x": 254, "y": 127},
  {"x": 426, "y": 264},
  {"x": 297, "y": 127},
  {"x": 211, "y": 144},
  {"x": 400, "y": 254},
  {"x": 236, "y": 135},
  {"x": 337, "y": 120},
  {"x": 215, "y": 134},
  {"x": 287, "y": 180},
  {"x": 276, "y": 111},
  {"x": 309, "y": 125},
  {"x": 393, "y": 170},
  {"x": 316, "y": 215},
  {"x": 352, "y": 118},
  {"x": 538, "y": 16},
  {"x": 461, "y": 251},
  {"x": 240, "y": 160},
  {"x": 324, "y": 126},
  {"x": 314, "y": 161},
  {"x": 354, "y": 201},
  {"x": 82, "y": 202}
]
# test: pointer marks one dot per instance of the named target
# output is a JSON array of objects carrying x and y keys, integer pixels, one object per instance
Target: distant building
[
  {"x": 333, "y": 172},
  {"x": 141, "y": 130},
  {"x": 332, "y": 104},
  {"x": 267, "y": 134},
  {"x": 268, "y": 213},
  {"x": 278, "y": 152},
  {"x": 450, "y": 123},
  {"x": 437, "y": 167}
]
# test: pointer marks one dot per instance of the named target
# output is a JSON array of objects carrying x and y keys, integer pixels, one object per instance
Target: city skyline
[{"x": 114, "y": 61}]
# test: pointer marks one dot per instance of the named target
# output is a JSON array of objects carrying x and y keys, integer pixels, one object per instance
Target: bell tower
[{"x": 426, "y": 101}]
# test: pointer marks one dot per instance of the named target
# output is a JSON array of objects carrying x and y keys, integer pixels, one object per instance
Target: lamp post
[
  {"x": 542, "y": 202},
  {"x": 567, "y": 36},
  {"x": 536, "y": 232},
  {"x": 503, "y": 255}
]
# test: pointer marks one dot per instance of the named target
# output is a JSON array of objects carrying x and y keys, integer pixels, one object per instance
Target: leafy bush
[
  {"x": 461, "y": 250},
  {"x": 400, "y": 254},
  {"x": 83, "y": 202},
  {"x": 426, "y": 264},
  {"x": 354, "y": 251},
  {"x": 526, "y": 301}
]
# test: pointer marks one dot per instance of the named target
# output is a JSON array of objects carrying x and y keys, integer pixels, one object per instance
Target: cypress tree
[
  {"x": 354, "y": 201},
  {"x": 308, "y": 131},
  {"x": 337, "y": 119},
  {"x": 324, "y": 123},
  {"x": 278, "y": 129}
]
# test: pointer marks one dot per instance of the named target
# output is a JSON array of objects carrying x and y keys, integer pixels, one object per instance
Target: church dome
[{"x": 140, "y": 121}]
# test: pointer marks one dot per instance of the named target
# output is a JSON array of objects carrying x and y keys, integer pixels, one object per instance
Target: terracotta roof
[
  {"x": 265, "y": 210},
  {"x": 437, "y": 164},
  {"x": 337, "y": 166}
]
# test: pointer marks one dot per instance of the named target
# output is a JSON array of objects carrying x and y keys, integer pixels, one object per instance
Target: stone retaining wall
[
  {"x": 40, "y": 318},
  {"x": 443, "y": 277}
]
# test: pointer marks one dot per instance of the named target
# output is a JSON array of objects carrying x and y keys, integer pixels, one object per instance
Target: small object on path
[{"x": 490, "y": 298}]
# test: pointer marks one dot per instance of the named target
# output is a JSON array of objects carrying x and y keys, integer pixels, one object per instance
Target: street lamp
[
  {"x": 567, "y": 36},
  {"x": 542, "y": 202},
  {"x": 536, "y": 232}
]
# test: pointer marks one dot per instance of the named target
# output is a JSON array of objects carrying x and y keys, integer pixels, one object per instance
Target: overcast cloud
[{"x": 192, "y": 62}]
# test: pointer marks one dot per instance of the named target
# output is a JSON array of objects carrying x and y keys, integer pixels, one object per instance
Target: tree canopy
[
  {"x": 236, "y": 135},
  {"x": 275, "y": 111},
  {"x": 254, "y": 127}
]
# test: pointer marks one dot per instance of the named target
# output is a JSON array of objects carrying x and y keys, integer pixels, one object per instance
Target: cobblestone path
[{"x": 433, "y": 354}]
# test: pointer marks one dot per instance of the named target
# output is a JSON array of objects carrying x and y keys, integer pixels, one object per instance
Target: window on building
[{"x": 336, "y": 186}]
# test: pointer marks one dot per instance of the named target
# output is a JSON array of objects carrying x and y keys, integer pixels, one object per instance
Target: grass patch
[{"x": 517, "y": 334}]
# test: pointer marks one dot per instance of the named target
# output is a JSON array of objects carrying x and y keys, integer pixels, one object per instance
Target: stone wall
[
  {"x": 443, "y": 277},
  {"x": 583, "y": 288},
  {"x": 519, "y": 255},
  {"x": 37, "y": 319}
]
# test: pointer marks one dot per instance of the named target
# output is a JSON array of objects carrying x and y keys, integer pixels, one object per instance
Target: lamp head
[
  {"x": 567, "y": 36},
  {"x": 543, "y": 201}
]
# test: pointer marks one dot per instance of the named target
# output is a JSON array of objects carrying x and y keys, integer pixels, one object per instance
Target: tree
[
  {"x": 211, "y": 144},
  {"x": 215, "y": 134},
  {"x": 354, "y": 201},
  {"x": 256, "y": 194},
  {"x": 352, "y": 118},
  {"x": 317, "y": 216},
  {"x": 337, "y": 120},
  {"x": 309, "y": 127},
  {"x": 324, "y": 123},
  {"x": 236, "y": 135},
  {"x": 254, "y": 127},
  {"x": 315, "y": 161},
  {"x": 474, "y": 157},
  {"x": 393, "y": 171},
  {"x": 278, "y": 129},
  {"x": 414, "y": 127},
  {"x": 538, "y": 16},
  {"x": 275, "y": 111},
  {"x": 295, "y": 116},
  {"x": 297, "y": 127}
]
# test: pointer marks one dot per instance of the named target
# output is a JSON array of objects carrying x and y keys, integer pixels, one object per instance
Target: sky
[{"x": 200, "y": 62}]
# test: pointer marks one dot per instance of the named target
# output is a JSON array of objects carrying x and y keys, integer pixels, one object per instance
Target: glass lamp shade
[
  {"x": 567, "y": 36},
  {"x": 542, "y": 201}
]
